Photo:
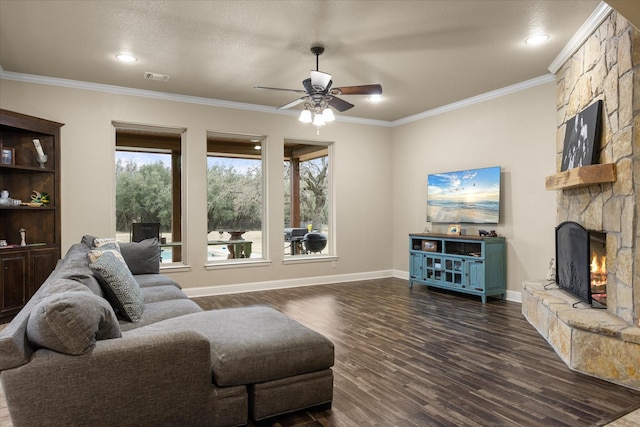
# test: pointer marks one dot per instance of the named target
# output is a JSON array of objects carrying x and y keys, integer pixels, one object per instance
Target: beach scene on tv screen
[{"x": 470, "y": 196}]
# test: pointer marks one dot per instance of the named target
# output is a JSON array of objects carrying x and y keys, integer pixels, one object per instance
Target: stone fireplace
[{"x": 601, "y": 342}]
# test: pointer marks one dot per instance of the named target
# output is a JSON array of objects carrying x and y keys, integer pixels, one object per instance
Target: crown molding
[
  {"x": 580, "y": 37},
  {"x": 477, "y": 99},
  {"x": 121, "y": 90}
]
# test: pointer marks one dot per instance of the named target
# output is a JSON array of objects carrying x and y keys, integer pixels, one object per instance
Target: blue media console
[{"x": 469, "y": 264}]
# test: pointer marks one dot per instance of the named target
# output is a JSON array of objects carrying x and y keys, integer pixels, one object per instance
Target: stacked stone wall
[{"x": 606, "y": 68}]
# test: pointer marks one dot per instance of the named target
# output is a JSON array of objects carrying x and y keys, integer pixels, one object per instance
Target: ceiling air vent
[{"x": 155, "y": 76}]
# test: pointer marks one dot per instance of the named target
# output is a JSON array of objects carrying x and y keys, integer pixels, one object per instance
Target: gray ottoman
[{"x": 285, "y": 365}]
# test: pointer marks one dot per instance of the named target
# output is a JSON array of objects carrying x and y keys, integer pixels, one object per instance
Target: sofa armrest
[{"x": 155, "y": 379}]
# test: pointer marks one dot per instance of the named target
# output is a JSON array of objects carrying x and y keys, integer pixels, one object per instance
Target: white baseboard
[
  {"x": 206, "y": 291},
  {"x": 283, "y": 284}
]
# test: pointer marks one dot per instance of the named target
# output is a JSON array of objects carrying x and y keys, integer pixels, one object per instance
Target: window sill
[
  {"x": 240, "y": 263},
  {"x": 305, "y": 259},
  {"x": 175, "y": 268}
]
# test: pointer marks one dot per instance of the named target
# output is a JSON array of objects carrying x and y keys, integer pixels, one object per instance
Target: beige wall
[
  {"x": 362, "y": 173},
  {"x": 516, "y": 132},
  {"x": 380, "y": 176}
]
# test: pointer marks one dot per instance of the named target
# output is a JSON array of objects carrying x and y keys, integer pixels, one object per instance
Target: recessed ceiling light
[
  {"x": 537, "y": 39},
  {"x": 124, "y": 57}
]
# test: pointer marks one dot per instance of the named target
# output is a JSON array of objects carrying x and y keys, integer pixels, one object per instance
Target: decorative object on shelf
[
  {"x": 454, "y": 230},
  {"x": 23, "y": 237},
  {"x": 486, "y": 233},
  {"x": 7, "y": 156},
  {"x": 33, "y": 204},
  {"x": 429, "y": 245},
  {"x": 5, "y": 200},
  {"x": 41, "y": 198},
  {"x": 42, "y": 158},
  {"x": 582, "y": 137},
  {"x": 3, "y": 243}
]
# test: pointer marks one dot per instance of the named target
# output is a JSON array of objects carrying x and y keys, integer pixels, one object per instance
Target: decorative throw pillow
[
  {"x": 118, "y": 283},
  {"x": 142, "y": 257},
  {"x": 71, "y": 322},
  {"x": 99, "y": 242}
]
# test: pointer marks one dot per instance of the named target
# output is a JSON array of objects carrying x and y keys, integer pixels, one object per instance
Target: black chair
[{"x": 145, "y": 230}]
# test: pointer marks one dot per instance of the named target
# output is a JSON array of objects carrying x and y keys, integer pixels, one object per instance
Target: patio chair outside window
[{"x": 145, "y": 230}]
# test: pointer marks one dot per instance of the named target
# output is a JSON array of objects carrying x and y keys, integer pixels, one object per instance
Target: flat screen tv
[{"x": 470, "y": 196}]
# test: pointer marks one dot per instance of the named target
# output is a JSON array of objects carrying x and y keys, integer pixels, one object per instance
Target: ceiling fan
[{"x": 319, "y": 95}]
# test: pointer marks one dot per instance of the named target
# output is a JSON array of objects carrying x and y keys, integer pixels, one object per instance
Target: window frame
[
  {"x": 331, "y": 255},
  {"x": 219, "y": 145},
  {"x": 161, "y": 140}
]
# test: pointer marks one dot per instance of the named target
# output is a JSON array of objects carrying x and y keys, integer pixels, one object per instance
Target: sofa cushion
[
  {"x": 161, "y": 293},
  {"x": 142, "y": 257},
  {"x": 158, "y": 311},
  {"x": 63, "y": 284},
  {"x": 118, "y": 283},
  {"x": 89, "y": 280},
  {"x": 150, "y": 280},
  {"x": 15, "y": 349},
  {"x": 71, "y": 322},
  {"x": 88, "y": 240}
]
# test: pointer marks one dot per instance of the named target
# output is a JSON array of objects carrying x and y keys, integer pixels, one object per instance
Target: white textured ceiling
[{"x": 425, "y": 54}]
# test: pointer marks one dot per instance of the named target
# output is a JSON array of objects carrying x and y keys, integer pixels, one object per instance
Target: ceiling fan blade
[
  {"x": 293, "y": 103},
  {"x": 374, "y": 89},
  {"x": 319, "y": 80},
  {"x": 340, "y": 104},
  {"x": 277, "y": 88}
]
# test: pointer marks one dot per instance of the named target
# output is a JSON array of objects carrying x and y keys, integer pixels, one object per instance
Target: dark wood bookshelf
[{"x": 24, "y": 268}]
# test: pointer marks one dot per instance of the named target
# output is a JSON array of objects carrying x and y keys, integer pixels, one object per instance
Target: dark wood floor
[{"x": 425, "y": 357}]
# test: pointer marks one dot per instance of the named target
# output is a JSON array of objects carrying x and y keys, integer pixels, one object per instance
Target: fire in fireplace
[
  {"x": 598, "y": 267},
  {"x": 581, "y": 263}
]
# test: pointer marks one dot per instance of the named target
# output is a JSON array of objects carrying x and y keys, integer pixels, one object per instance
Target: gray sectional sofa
[{"x": 83, "y": 353}]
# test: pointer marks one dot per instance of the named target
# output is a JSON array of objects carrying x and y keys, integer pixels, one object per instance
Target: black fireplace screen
[{"x": 573, "y": 260}]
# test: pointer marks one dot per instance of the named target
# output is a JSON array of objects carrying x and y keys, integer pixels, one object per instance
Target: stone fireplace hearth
[{"x": 604, "y": 343}]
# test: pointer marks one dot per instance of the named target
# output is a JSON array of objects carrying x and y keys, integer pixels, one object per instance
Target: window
[
  {"x": 234, "y": 197},
  {"x": 148, "y": 186},
  {"x": 307, "y": 196}
]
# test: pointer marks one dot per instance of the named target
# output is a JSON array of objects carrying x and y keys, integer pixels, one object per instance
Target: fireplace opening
[{"x": 581, "y": 263}]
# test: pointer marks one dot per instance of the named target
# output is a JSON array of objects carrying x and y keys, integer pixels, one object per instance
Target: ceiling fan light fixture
[
  {"x": 305, "y": 116},
  {"x": 375, "y": 98},
  {"x": 318, "y": 120},
  {"x": 327, "y": 115}
]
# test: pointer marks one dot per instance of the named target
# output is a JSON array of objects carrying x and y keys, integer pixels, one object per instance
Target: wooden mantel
[{"x": 582, "y": 177}]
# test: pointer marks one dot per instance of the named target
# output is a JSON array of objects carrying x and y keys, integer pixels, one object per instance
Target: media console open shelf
[{"x": 470, "y": 264}]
